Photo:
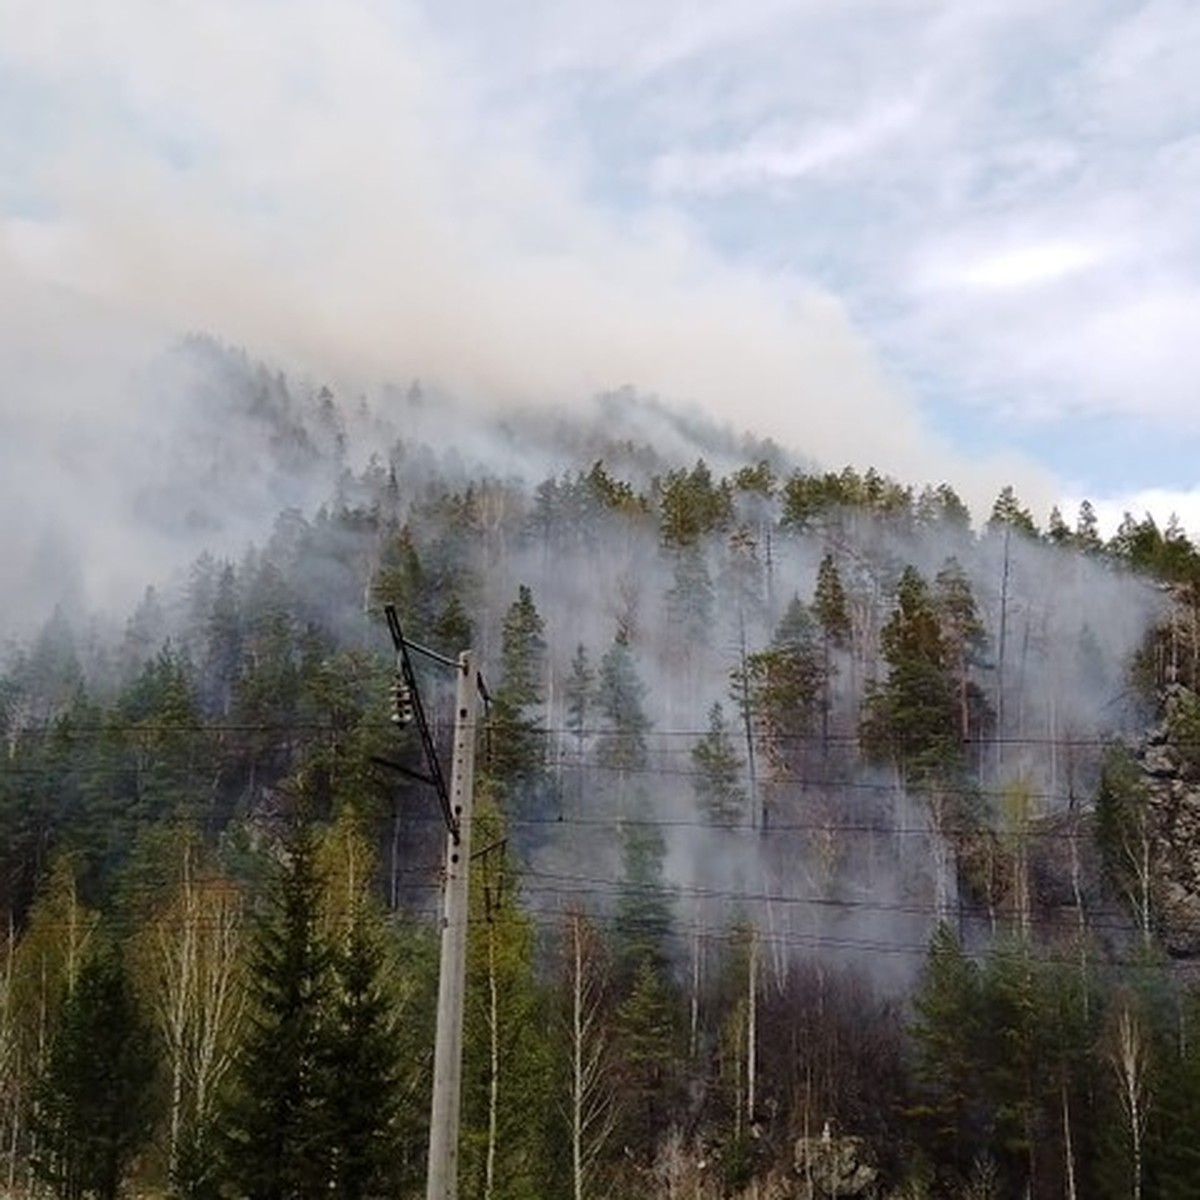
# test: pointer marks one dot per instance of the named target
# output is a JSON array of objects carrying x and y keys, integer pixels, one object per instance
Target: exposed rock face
[
  {"x": 829, "y": 1166},
  {"x": 1168, "y": 759}
]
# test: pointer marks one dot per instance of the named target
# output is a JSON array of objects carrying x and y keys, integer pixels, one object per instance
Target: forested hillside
[{"x": 836, "y": 845}]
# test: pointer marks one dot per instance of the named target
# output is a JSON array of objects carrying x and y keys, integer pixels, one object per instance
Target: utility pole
[
  {"x": 457, "y": 805},
  {"x": 442, "y": 1179}
]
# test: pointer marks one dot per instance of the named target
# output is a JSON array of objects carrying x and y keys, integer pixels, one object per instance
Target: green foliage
[
  {"x": 719, "y": 792},
  {"x": 787, "y": 688},
  {"x": 619, "y": 697},
  {"x": 644, "y": 903},
  {"x": 275, "y": 1122},
  {"x": 95, "y": 1099},
  {"x": 692, "y": 505},
  {"x": 516, "y": 742},
  {"x": 648, "y": 1047},
  {"x": 1123, "y": 832},
  {"x": 829, "y": 603},
  {"x": 912, "y": 718},
  {"x": 812, "y": 500},
  {"x": 506, "y": 1064},
  {"x": 946, "y": 1035},
  {"x": 360, "y": 1068},
  {"x": 690, "y": 599},
  {"x": 1008, "y": 512}
]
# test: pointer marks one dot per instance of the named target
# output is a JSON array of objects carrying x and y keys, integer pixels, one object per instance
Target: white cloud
[{"x": 773, "y": 157}]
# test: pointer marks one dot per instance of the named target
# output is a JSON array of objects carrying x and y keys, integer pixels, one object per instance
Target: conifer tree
[
  {"x": 275, "y": 1120},
  {"x": 912, "y": 718},
  {"x": 579, "y": 690},
  {"x": 964, "y": 639},
  {"x": 516, "y": 742},
  {"x": 787, "y": 691},
  {"x": 718, "y": 770},
  {"x": 619, "y": 697},
  {"x": 1008, "y": 511},
  {"x": 360, "y": 1067},
  {"x": 829, "y": 603},
  {"x": 95, "y": 1098},
  {"x": 945, "y": 1031},
  {"x": 648, "y": 1047}
]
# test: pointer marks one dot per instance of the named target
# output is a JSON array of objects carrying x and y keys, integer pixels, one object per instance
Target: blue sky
[{"x": 955, "y": 238}]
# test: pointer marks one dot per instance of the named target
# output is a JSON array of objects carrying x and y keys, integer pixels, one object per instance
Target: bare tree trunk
[
  {"x": 694, "y": 1013},
  {"x": 489, "y": 1178},
  {"x": 1068, "y": 1143},
  {"x": 752, "y": 1030},
  {"x": 591, "y": 1103},
  {"x": 1130, "y": 1062},
  {"x": 1001, "y": 647}
]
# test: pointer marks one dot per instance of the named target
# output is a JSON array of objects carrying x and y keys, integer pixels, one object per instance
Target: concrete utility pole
[
  {"x": 442, "y": 1179},
  {"x": 457, "y": 803}
]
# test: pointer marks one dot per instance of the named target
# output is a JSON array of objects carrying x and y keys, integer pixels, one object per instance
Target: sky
[{"x": 954, "y": 239}]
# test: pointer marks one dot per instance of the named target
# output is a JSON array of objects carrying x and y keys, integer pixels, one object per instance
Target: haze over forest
[{"x": 814, "y": 801}]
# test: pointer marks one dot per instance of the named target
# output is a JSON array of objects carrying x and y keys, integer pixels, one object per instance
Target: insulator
[{"x": 403, "y": 709}]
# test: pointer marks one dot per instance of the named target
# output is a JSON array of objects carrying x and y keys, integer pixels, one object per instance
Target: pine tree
[
  {"x": 644, "y": 903},
  {"x": 787, "y": 690},
  {"x": 1007, "y": 510},
  {"x": 579, "y": 690},
  {"x": 1087, "y": 529},
  {"x": 1058, "y": 533},
  {"x": 829, "y": 604},
  {"x": 912, "y": 718},
  {"x": 360, "y": 1086},
  {"x": 965, "y": 640}
]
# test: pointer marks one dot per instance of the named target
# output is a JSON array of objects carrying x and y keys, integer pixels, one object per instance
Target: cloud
[{"x": 772, "y": 157}]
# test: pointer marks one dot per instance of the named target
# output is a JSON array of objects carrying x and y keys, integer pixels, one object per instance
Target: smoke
[{"x": 321, "y": 184}]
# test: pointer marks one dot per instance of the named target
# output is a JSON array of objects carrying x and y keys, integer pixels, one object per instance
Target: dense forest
[{"x": 828, "y": 843}]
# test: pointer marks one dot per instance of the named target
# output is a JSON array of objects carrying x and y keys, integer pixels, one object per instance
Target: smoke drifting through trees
[
  {"x": 760, "y": 725},
  {"x": 733, "y": 578}
]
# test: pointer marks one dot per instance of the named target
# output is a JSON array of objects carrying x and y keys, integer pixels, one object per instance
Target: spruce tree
[
  {"x": 360, "y": 1058},
  {"x": 359, "y": 1069},
  {"x": 516, "y": 741},
  {"x": 718, "y": 768},
  {"x": 945, "y": 1028},
  {"x": 619, "y": 697},
  {"x": 95, "y": 1101},
  {"x": 275, "y": 1127}
]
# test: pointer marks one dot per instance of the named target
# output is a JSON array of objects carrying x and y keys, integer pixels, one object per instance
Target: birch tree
[
  {"x": 194, "y": 951},
  {"x": 1129, "y": 1057},
  {"x": 591, "y": 1100}
]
